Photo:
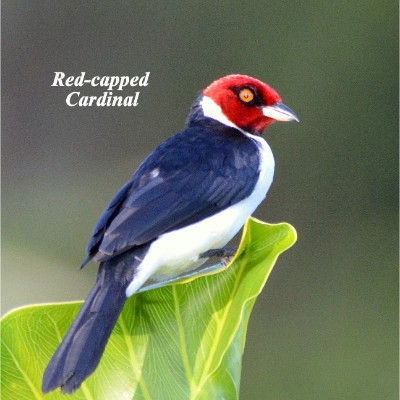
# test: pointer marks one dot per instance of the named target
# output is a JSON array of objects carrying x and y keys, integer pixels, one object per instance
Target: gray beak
[{"x": 280, "y": 112}]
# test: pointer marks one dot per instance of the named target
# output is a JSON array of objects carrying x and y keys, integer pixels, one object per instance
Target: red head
[{"x": 244, "y": 102}]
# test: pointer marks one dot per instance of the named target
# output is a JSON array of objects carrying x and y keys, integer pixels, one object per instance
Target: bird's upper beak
[{"x": 280, "y": 112}]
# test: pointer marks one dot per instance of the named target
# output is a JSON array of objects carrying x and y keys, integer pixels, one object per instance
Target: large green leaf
[{"x": 179, "y": 342}]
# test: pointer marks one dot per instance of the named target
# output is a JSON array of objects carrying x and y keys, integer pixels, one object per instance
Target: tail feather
[{"x": 81, "y": 349}]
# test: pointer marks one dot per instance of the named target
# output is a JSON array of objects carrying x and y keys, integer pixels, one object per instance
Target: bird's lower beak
[{"x": 280, "y": 112}]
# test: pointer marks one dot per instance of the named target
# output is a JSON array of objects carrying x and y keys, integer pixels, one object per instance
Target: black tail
[{"x": 79, "y": 353}]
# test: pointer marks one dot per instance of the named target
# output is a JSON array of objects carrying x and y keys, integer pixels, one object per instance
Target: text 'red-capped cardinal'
[{"x": 191, "y": 195}]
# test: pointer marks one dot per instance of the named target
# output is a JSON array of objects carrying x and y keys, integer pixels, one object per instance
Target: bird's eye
[{"x": 246, "y": 95}]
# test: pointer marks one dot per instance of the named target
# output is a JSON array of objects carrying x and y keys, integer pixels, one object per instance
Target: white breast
[{"x": 178, "y": 251}]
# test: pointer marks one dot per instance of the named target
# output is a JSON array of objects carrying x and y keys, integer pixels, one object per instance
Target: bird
[{"x": 189, "y": 197}]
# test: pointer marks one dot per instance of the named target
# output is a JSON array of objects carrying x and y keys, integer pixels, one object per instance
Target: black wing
[{"x": 190, "y": 177}]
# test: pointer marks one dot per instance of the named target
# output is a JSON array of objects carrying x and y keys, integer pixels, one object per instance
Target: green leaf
[{"x": 179, "y": 342}]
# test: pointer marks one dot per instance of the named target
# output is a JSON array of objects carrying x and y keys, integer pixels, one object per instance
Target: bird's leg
[{"x": 224, "y": 252}]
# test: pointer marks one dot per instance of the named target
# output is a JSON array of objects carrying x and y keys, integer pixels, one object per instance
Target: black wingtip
[{"x": 86, "y": 261}]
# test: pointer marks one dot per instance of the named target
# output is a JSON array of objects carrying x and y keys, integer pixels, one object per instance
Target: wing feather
[{"x": 176, "y": 187}]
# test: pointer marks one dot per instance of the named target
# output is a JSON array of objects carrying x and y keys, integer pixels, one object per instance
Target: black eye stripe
[{"x": 257, "y": 100}]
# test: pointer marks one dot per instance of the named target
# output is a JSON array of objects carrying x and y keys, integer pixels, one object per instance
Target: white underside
[{"x": 178, "y": 251}]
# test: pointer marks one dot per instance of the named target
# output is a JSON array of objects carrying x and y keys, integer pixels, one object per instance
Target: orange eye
[{"x": 246, "y": 95}]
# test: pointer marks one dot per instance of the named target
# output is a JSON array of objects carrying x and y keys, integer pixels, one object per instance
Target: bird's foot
[{"x": 224, "y": 252}]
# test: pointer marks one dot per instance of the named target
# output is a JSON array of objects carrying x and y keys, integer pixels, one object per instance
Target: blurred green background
[{"x": 326, "y": 325}]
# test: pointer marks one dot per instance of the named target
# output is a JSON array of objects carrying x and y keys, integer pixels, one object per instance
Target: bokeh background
[{"x": 326, "y": 325}]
